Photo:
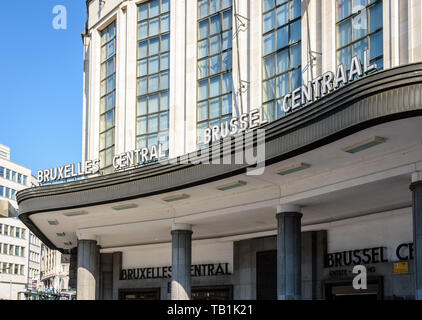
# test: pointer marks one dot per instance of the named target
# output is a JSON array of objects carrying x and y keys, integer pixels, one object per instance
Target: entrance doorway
[
  {"x": 343, "y": 290},
  {"x": 266, "y": 275},
  {"x": 139, "y": 294},
  {"x": 219, "y": 293}
]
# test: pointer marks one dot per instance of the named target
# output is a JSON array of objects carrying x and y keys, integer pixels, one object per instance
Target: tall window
[
  {"x": 108, "y": 95},
  {"x": 153, "y": 74},
  {"x": 359, "y": 28},
  {"x": 282, "y": 70},
  {"x": 215, "y": 82}
]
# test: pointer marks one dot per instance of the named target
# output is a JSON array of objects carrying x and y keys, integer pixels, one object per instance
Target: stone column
[
  {"x": 181, "y": 262},
  {"x": 289, "y": 252},
  {"x": 73, "y": 268},
  {"x": 87, "y": 270},
  {"x": 416, "y": 188}
]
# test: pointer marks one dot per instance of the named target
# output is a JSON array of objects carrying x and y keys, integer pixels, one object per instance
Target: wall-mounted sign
[
  {"x": 120, "y": 161},
  {"x": 401, "y": 267},
  {"x": 404, "y": 252},
  {"x": 197, "y": 270},
  {"x": 328, "y": 82},
  {"x": 69, "y": 171},
  {"x": 236, "y": 125}
]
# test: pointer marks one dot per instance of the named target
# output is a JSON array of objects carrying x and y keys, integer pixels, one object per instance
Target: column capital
[
  {"x": 85, "y": 236},
  {"x": 283, "y": 208},
  {"x": 181, "y": 227}
]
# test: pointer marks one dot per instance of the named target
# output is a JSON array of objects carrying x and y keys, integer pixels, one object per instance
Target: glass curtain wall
[
  {"x": 215, "y": 82},
  {"x": 282, "y": 69},
  {"x": 359, "y": 28},
  {"x": 153, "y": 74},
  {"x": 108, "y": 96}
]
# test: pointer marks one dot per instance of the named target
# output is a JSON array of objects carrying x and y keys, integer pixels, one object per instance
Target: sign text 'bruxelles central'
[{"x": 120, "y": 161}]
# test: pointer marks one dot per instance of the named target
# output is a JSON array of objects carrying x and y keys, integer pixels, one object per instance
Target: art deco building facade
[{"x": 337, "y": 85}]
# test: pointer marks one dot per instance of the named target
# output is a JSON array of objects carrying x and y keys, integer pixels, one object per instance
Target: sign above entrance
[{"x": 197, "y": 270}]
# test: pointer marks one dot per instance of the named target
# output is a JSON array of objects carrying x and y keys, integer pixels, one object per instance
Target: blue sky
[{"x": 41, "y": 82}]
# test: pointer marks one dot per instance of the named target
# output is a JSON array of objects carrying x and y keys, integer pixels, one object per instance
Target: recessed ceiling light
[
  {"x": 125, "y": 207},
  {"x": 76, "y": 213},
  {"x": 231, "y": 185},
  {"x": 176, "y": 197},
  {"x": 53, "y": 222},
  {"x": 364, "y": 144},
  {"x": 62, "y": 234},
  {"x": 293, "y": 168}
]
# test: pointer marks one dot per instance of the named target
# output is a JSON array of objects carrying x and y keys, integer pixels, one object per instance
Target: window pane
[
  {"x": 165, "y": 23},
  {"x": 282, "y": 37},
  {"x": 203, "y": 68},
  {"x": 142, "y": 86},
  {"x": 215, "y": 45},
  {"x": 165, "y": 42},
  {"x": 203, "y": 90},
  {"x": 203, "y": 111},
  {"x": 165, "y": 6},
  {"x": 359, "y": 25},
  {"x": 153, "y": 65},
  {"x": 153, "y": 123},
  {"x": 164, "y": 121},
  {"x": 268, "y": 4},
  {"x": 142, "y": 68},
  {"x": 143, "y": 30},
  {"x": 343, "y": 9},
  {"x": 269, "y": 43},
  {"x": 153, "y": 83},
  {"x": 359, "y": 48},
  {"x": 283, "y": 61},
  {"x": 215, "y": 64},
  {"x": 154, "y": 26},
  {"x": 282, "y": 15},
  {"x": 227, "y": 20},
  {"x": 214, "y": 6},
  {"x": 153, "y": 103},
  {"x": 358, "y": 5},
  {"x": 215, "y": 108},
  {"x": 203, "y": 48},
  {"x": 227, "y": 104},
  {"x": 282, "y": 85},
  {"x": 154, "y": 8},
  {"x": 164, "y": 81},
  {"x": 295, "y": 56},
  {"x": 143, "y": 11},
  {"x": 164, "y": 101},
  {"x": 203, "y": 29},
  {"x": 215, "y": 24},
  {"x": 227, "y": 40},
  {"x": 343, "y": 35},
  {"x": 376, "y": 49},
  {"x": 375, "y": 17},
  {"x": 268, "y": 90},
  {"x": 165, "y": 61},
  {"x": 295, "y": 9},
  {"x": 268, "y": 21},
  {"x": 269, "y": 112},
  {"x": 269, "y": 66},
  {"x": 227, "y": 82},
  {"x": 344, "y": 56},
  {"x": 296, "y": 79},
  {"x": 215, "y": 86},
  {"x": 154, "y": 46},
  {"x": 295, "y": 31},
  {"x": 203, "y": 8},
  {"x": 227, "y": 61}
]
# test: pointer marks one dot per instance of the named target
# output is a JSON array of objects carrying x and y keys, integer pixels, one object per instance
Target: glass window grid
[
  {"x": 350, "y": 18},
  {"x": 210, "y": 120},
  {"x": 108, "y": 77},
  {"x": 273, "y": 106},
  {"x": 159, "y": 135},
  {"x": 12, "y": 175}
]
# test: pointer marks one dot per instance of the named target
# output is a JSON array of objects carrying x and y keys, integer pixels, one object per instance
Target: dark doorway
[
  {"x": 219, "y": 293},
  {"x": 139, "y": 294},
  {"x": 343, "y": 290},
  {"x": 266, "y": 275}
]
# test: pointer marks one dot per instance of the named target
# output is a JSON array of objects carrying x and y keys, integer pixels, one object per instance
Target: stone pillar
[
  {"x": 73, "y": 268},
  {"x": 181, "y": 262},
  {"x": 87, "y": 270},
  {"x": 289, "y": 252},
  {"x": 416, "y": 188}
]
